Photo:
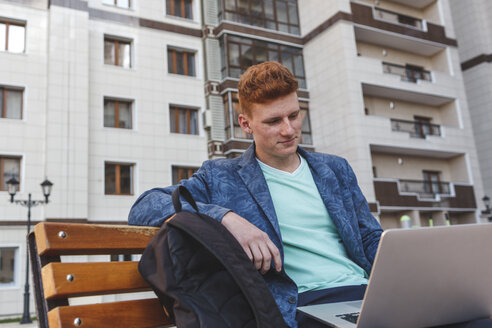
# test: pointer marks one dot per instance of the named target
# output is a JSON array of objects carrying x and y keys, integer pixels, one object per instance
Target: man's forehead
[{"x": 276, "y": 106}]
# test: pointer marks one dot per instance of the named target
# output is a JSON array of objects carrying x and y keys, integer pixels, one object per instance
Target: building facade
[
  {"x": 103, "y": 98},
  {"x": 395, "y": 105},
  {"x": 473, "y": 32},
  {"x": 109, "y": 98},
  {"x": 380, "y": 83}
]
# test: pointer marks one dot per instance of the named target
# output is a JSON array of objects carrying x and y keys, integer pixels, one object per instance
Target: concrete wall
[
  {"x": 473, "y": 26},
  {"x": 313, "y": 13},
  {"x": 336, "y": 104},
  {"x": 471, "y": 20},
  {"x": 438, "y": 62},
  {"x": 67, "y": 133},
  {"x": 26, "y": 137},
  {"x": 401, "y": 109},
  {"x": 411, "y": 167}
]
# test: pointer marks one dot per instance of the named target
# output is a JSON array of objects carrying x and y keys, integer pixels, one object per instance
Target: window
[
  {"x": 231, "y": 107},
  {"x": 119, "y": 3},
  {"x": 117, "y": 52},
  {"x": 9, "y": 168},
  {"x": 432, "y": 182},
  {"x": 181, "y": 172},
  {"x": 11, "y": 103},
  {"x": 117, "y": 113},
  {"x": 241, "y": 53},
  {"x": 183, "y": 120},
  {"x": 180, "y": 8},
  {"x": 306, "y": 124},
  {"x": 415, "y": 73},
  {"x": 181, "y": 62},
  {"x": 118, "y": 178},
  {"x": 423, "y": 126},
  {"x": 7, "y": 265},
  {"x": 279, "y": 15},
  {"x": 12, "y": 36}
]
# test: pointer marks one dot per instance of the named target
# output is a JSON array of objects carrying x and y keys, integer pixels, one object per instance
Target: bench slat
[
  {"x": 91, "y": 239},
  {"x": 91, "y": 278},
  {"x": 141, "y": 313}
]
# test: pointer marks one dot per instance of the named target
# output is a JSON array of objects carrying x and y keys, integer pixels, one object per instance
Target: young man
[{"x": 299, "y": 216}]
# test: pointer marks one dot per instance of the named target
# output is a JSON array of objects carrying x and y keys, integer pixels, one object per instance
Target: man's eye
[
  {"x": 273, "y": 122},
  {"x": 295, "y": 115}
]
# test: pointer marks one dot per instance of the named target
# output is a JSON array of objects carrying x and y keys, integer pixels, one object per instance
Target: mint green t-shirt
[{"x": 314, "y": 255}]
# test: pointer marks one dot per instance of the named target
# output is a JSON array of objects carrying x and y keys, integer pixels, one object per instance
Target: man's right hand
[{"x": 255, "y": 243}]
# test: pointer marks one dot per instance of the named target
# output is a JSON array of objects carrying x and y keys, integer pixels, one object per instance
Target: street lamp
[
  {"x": 487, "y": 213},
  {"x": 12, "y": 189}
]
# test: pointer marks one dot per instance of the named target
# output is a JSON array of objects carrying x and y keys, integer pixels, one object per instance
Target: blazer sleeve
[
  {"x": 369, "y": 227},
  {"x": 155, "y": 206}
]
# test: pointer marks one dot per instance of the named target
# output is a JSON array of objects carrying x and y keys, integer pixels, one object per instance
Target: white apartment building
[
  {"x": 473, "y": 32},
  {"x": 102, "y": 97},
  {"x": 394, "y": 105},
  {"x": 109, "y": 98}
]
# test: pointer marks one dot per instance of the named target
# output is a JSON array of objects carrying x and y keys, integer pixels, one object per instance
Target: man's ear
[{"x": 244, "y": 123}]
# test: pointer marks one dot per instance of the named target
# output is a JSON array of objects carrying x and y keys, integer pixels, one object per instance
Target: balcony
[
  {"x": 392, "y": 193},
  {"x": 388, "y": 32},
  {"x": 397, "y": 18},
  {"x": 416, "y": 129},
  {"x": 425, "y": 189},
  {"x": 407, "y": 73}
]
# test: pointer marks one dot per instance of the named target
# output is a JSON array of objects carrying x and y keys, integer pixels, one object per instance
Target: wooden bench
[{"x": 56, "y": 281}]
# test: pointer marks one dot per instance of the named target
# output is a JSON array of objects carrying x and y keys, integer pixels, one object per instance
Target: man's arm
[
  {"x": 255, "y": 243},
  {"x": 154, "y": 206}
]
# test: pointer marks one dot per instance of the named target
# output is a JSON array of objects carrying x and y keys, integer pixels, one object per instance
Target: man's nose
[{"x": 286, "y": 128}]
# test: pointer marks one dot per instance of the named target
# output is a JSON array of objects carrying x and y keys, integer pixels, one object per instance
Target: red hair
[{"x": 264, "y": 82}]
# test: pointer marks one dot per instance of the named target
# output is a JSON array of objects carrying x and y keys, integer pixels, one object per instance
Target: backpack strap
[
  {"x": 215, "y": 237},
  {"x": 182, "y": 191}
]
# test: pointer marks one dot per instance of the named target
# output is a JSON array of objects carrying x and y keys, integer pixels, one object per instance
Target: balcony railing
[
  {"x": 397, "y": 18},
  {"x": 425, "y": 189},
  {"x": 407, "y": 73},
  {"x": 389, "y": 195},
  {"x": 417, "y": 129}
]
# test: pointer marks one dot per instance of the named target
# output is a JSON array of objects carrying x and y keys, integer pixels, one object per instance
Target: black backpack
[{"x": 202, "y": 276}]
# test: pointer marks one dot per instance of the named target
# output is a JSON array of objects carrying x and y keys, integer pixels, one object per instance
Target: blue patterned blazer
[{"x": 238, "y": 185}]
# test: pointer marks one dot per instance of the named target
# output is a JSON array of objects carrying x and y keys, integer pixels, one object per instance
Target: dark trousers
[{"x": 354, "y": 293}]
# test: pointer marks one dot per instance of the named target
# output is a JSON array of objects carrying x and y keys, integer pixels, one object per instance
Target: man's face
[{"x": 276, "y": 128}]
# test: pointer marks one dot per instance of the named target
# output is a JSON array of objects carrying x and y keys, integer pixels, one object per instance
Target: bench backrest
[{"x": 55, "y": 281}]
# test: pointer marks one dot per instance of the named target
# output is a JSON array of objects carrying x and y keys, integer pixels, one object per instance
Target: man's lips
[{"x": 287, "y": 141}]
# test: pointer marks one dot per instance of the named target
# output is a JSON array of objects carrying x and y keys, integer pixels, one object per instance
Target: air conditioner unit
[{"x": 207, "y": 119}]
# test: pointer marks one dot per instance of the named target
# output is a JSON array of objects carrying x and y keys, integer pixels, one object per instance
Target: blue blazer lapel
[
  {"x": 252, "y": 176},
  {"x": 329, "y": 189}
]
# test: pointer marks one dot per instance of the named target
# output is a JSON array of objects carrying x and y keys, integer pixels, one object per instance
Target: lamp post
[
  {"x": 12, "y": 189},
  {"x": 487, "y": 213}
]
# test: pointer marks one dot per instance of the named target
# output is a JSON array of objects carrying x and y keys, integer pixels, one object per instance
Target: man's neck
[{"x": 287, "y": 164}]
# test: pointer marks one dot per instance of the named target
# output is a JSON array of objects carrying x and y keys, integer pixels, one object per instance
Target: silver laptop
[{"x": 421, "y": 277}]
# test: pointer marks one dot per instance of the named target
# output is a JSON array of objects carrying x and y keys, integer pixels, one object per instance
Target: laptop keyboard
[{"x": 350, "y": 317}]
